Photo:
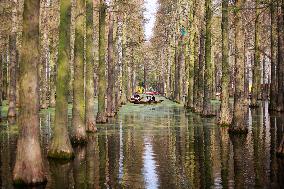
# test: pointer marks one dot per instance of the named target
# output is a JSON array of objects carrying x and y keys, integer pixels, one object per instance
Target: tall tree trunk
[
  {"x": 60, "y": 147},
  {"x": 178, "y": 64},
  {"x": 44, "y": 43},
  {"x": 280, "y": 59},
  {"x": 190, "y": 92},
  {"x": 79, "y": 134},
  {"x": 101, "y": 115},
  {"x": 121, "y": 60},
  {"x": 200, "y": 75},
  {"x": 13, "y": 74},
  {"x": 225, "y": 113},
  {"x": 29, "y": 167},
  {"x": 90, "y": 60},
  {"x": 195, "y": 71},
  {"x": 111, "y": 67},
  {"x": 273, "y": 49},
  {"x": 208, "y": 61},
  {"x": 1, "y": 80},
  {"x": 239, "y": 124},
  {"x": 54, "y": 39},
  {"x": 256, "y": 67}
]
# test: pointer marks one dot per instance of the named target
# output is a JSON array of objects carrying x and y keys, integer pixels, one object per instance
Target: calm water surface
[{"x": 161, "y": 146}]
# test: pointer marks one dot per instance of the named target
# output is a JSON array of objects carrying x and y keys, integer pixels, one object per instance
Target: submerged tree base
[
  {"x": 254, "y": 106},
  {"x": 18, "y": 182},
  {"x": 238, "y": 131},
  {"x": 78, "y": 140},
  {"x": 101, "y": 118},
  {"x": 208, "y": 115},
  {"x": 91, "y": 127},
  {"x": 60, "y": 154}
]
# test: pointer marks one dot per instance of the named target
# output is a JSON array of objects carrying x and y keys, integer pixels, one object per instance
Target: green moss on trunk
[{"x": 78, "y": 134}]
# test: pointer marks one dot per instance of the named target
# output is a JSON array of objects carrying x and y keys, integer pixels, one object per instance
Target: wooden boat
[{"x": 147, "y": 102}]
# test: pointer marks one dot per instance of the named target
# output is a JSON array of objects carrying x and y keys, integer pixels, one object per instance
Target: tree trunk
[
  {"x": 1, "y": 81},
  {"x": 280, "y": 60},
  {"x": 256, "y": 67},
  {"x": 101, "y": 115},
  {"x": 239, "y": 123},
  {"x": 273, "y": 49},
  {"x": 44, "y": 43},
  {"x": 111, "y": 67},
  {"x": 79, "y": 134},
  {"x": 13, "y": 74},
  {"x": 190, "y": 92},
  {"x": 29, "y": 169},
  {"x": 207, "y": 112},
  {"x": 54, "y": 39},
  {"x": 60, "y": 147},
  {"x": 200, "y": 75},
  {"x": 225, "y": 113},
  {"x": 195, "y": 71},
  {"x": 90, "y": 60}
]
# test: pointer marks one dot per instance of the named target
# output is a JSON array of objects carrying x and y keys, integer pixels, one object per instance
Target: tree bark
[
  {"x": 207, "y": 112},
  {"x": 273, "y": 49},
  {"x": 111, "y": 67},
  {"x": 79, "y": 134},
  {"x": 29, "y": 169},
  {"x": 13, "y": 74},
  {"x": 239, "y": 123},
  {"x": 60, "y": 147},
  {"x": 225, "y": 113},
  {"x": 280, "y": 61},
  {"x": 256, "y": 67},
  {"x": 54, "y": 39},
  {"x": 101, "y": 115},
  {"x": 90, "y": 60}
]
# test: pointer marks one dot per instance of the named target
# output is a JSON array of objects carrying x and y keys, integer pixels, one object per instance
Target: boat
[{"x": 147, "y": 102}]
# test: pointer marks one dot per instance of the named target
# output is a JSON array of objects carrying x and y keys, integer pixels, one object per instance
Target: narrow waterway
[{"x": 161, "y": 146}]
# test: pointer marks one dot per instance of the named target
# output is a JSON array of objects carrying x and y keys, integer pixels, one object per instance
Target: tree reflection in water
[{"x": 161, "y": 146}]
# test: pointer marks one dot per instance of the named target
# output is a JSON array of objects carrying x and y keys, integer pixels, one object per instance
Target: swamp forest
[{"x": 141, "y": 94}]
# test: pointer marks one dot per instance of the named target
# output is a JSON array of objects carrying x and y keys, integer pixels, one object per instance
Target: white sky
[{"x": 150, "y": 14}]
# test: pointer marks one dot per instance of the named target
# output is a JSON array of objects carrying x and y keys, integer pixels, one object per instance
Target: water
[{"x": 161, "y": 146}]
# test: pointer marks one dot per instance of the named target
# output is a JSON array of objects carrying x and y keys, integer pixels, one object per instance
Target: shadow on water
[{"x": 160, "y": 146}]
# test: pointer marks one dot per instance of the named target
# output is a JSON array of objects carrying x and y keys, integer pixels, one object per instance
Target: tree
[
  {"x": 111, "y": 68},
  {"x": 225, "y": 113},
  {"x": 29, "y": 167},
  {"x": 273, "y": 49},
  {"x": 256, "y": 67},
  {"x": 239, "y": 124},
  {"x": 208, "y": 62},
  {"x": 90, "y": 60},
  {"x": 101, "y": 115},
  {"x": 280, "y": 61},
  {"x": 60, "y": 147},
  {"x": 78, "y": 111}
]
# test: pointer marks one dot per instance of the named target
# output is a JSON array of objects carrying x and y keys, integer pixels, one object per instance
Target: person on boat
[
  {"x": 137, "y": 97},
  {"x": 152, "y": 99}
]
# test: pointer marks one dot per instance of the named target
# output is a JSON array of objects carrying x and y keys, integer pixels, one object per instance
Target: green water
[{"x": 161, "y": 146}]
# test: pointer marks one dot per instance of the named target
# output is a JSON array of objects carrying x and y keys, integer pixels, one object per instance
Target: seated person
[
  {"x": 136, "y": 97},
  {"x": 152, "y": 99}
]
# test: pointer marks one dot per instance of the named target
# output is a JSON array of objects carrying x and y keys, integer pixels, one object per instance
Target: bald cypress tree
[
  {"x": 256, "y": 67},
  {"x": 225, "y": 114},
  {"x": 208, "y": 60},
  {"x": 101, "y": 115},
  {"x": 29, "y": 169},
  {"x": 60, "y": 147},
  {"x": 78, "y": 111},
  {"x": 90, "y": 60},
  {"x": 239, "y": 124}
]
